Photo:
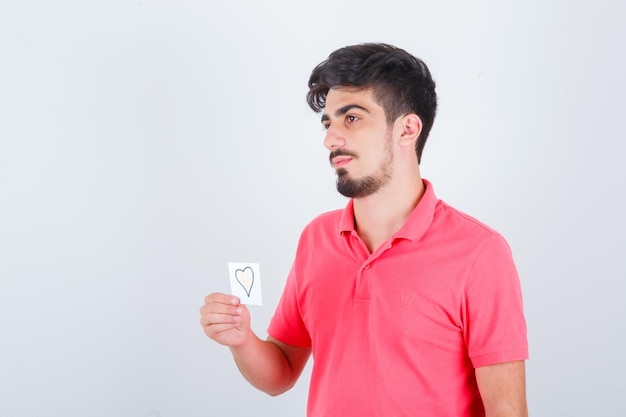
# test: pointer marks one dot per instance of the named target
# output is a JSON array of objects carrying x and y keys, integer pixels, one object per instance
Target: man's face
[{"x": 359, "y": 141}]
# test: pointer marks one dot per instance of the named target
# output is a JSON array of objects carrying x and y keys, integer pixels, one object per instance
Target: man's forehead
[
  {"x": 354, "y": 92},
  {"x": 339, "y": 98}
]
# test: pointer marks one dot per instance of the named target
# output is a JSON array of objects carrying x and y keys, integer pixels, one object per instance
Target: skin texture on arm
[
  {"x": 503, "y": 389},
  {"x": 269, "y": 365}
]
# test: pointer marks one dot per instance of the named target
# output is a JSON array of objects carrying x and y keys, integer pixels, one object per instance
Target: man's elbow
[{"x": 275, "y": 392}]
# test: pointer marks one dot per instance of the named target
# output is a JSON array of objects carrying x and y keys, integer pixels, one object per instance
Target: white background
[{"x": 144, "y": 144}]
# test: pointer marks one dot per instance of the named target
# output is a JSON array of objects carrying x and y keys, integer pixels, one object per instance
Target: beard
[
  {"x": 359, "y": 187},
  {"x": 370, "y": 184}
]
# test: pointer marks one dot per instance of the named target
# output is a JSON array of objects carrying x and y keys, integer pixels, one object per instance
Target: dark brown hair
[{"x": 401, "y": 83}]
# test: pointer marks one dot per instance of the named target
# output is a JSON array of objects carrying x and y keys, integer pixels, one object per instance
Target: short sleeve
[
  {"x": 287, "y": 325},
  {"x": 494, "y": 323}
]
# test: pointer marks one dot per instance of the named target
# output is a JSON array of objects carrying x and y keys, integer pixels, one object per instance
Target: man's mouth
[
  {"x": 339, "y": 158},
  {"x": 340, "y": 161}
]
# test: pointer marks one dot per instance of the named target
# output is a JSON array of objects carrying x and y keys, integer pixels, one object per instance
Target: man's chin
[{"x": 348, "y": 187}]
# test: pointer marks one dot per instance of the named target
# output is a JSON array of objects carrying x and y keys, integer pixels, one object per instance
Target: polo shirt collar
[{"x": 414, "y": 227}]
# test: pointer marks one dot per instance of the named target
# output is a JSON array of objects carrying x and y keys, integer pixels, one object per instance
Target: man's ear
[{"x": 411, "y": 127}]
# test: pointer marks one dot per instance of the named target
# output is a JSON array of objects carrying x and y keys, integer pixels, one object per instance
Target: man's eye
[
  {"x": 326, "y": 125},
  {"x": 351, "y": 119}
]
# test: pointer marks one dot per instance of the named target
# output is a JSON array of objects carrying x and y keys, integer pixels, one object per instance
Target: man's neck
[{"x": 381, "y": 215}]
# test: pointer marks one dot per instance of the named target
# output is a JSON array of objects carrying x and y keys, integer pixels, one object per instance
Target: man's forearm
[{"x": 264, "y": 365}]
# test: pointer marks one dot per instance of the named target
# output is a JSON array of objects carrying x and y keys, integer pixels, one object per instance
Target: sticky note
[{"x": 245, "y": 282}]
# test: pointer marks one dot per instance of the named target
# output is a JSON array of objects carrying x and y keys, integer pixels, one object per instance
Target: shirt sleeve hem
[
  {"x": 284, "y": 338},
  {"x": 499, "y": 357}
]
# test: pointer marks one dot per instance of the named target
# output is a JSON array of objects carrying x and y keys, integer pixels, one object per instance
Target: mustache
[{"x": 340, "y": 152}]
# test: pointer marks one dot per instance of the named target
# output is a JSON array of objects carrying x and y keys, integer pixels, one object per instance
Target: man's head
[{"x": 401, "y": 83}]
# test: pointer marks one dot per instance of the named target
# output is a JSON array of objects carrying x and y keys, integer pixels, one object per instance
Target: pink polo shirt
[{"x": 398, "y": 332}]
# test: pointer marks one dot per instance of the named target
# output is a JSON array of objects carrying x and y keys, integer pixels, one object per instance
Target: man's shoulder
[
  {"x": 454, "y": 219},
  {"x": 325, "y": 220},
  {"x": 457, "y": 230},
  {"x": 322, "y": 232}
]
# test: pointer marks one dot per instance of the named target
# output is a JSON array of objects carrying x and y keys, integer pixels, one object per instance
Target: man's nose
[{"x": 334, "y": 138}]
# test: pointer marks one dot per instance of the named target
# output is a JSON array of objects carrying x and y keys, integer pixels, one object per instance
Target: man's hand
[
  {"x": 269, "y": 365},
  {"x": 225, "y": 320}
]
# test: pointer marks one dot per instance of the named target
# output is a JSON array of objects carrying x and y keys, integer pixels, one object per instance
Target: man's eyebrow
[{"x": 343, "y": 110}]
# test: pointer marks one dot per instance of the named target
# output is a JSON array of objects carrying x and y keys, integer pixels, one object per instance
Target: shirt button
[{"x": 366, "y": 266}]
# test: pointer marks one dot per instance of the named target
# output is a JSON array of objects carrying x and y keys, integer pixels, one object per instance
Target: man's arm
[
  {"x": 269, "y": 365},
  {"x": 503, "y": 389}
]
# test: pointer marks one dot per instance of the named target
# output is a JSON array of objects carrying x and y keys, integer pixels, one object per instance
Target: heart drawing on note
[{"x": 245, "y": 278}]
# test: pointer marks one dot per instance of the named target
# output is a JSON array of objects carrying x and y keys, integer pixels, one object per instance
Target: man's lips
[
  {"x": 340, "y": 161},
  {"x": 340, "y": 157}
]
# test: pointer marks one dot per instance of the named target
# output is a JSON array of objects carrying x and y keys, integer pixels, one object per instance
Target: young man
[{"x": 409, "y": 307}]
